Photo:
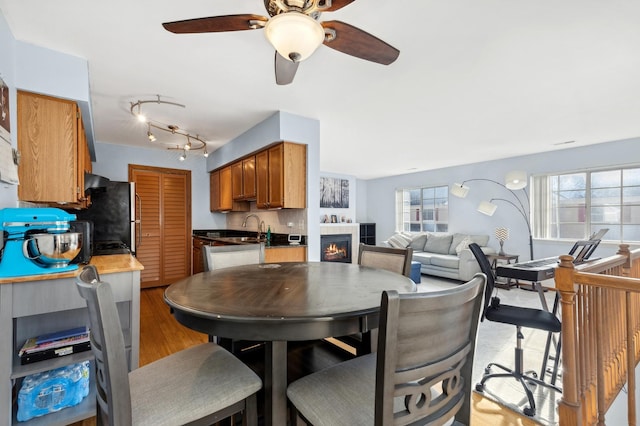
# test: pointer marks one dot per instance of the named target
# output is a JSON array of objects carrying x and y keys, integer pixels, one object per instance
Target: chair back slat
[
  {"x": 107, "y": 344},
  {"x": 216, "y": 257},
  {"x": 392, "y": 259},
  {"x": 425, "y": 353}
]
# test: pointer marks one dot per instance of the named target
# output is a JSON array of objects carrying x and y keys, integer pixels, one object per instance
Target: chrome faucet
[{"x": 259, "y": 222}]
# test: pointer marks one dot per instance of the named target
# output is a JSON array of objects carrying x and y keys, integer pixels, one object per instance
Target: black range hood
[{"x": 94, "y": 182}]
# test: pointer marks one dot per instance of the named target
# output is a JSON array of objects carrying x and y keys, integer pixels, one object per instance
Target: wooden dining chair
[
  {"x": 216, "y": 257},
  {"x": 199, "y": 385},
  {"x": 421, "y": 373},
  {"x": 391, "y": 259}
]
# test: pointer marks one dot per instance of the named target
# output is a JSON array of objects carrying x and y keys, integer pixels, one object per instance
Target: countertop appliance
[
  {"x": 37, "y": 241},
  {"x": 115, "y": 214}
]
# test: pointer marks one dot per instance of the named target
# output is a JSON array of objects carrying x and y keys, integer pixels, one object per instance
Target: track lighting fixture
[
  {"x": 150, "y": 135},
  {"x": 193, "y": 142}
]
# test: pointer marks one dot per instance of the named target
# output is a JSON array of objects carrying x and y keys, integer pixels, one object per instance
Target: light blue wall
[
  {"x": 463, "y": 216},
  {"x": 113, "y": 163},
  {"x": 8, "y": 193}
]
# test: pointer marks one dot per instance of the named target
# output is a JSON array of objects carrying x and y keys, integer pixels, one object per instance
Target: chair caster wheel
[
  {"x": 528, "y": 411},
  {"x": 480, "y": 387}
]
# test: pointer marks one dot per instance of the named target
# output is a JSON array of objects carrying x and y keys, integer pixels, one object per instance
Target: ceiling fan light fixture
[{"x": 294, "y": 35}]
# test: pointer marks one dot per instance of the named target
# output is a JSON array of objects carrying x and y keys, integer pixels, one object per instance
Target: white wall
[{"x": 463, "y": 217}]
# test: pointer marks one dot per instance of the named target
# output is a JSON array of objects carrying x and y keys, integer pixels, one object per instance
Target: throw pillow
[
  {"x": 464, "y": 244},
  {"x": 438, "y": 243},
  {"x": 481, "y": 240},
  {"x": 399, "y": 241},
  {"x": 418, "y": 241}
]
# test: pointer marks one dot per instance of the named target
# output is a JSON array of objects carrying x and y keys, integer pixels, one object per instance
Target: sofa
[{"x": 442, "y": 254}]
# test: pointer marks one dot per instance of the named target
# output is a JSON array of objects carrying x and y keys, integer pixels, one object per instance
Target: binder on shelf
[
  {"x": 29, "y": 358},
  {"x": 31, "y": 345}
]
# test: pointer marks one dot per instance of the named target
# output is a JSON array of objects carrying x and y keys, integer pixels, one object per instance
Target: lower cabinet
[
  {"x": 33, "y": 308},
  {"x": 285, "y": 254}
]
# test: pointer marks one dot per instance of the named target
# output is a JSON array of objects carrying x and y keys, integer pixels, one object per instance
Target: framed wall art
[
  {"x": 334, "y": 193},
  {"x": 5, "y": 127}
]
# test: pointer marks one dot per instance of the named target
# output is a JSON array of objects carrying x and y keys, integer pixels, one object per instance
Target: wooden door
[
  {"x": 214, "y": 191},
  {"x": 276, "y": 176},
  {"x": 262, "y": 179},
  {"x": 47, "y": 141},
  {"x": 226, "y": 194},
  {"x": 237, "y": 186},
  {"x": 165, "y": 243},
  {"x": 249, "y": 177}
]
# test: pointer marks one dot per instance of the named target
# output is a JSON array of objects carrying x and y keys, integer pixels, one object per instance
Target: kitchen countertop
[
  {"x": 232, "y": 237},
  {"x": 106, "y": 265}
]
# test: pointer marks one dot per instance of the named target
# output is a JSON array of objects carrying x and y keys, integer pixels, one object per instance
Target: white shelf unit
[{"x": 33, "y": 308}]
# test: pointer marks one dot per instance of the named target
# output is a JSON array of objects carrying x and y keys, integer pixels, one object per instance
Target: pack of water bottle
[{"x": 53, "y": 390}]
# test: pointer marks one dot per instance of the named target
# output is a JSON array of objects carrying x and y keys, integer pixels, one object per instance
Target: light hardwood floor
[{"x": 161, "y": 335}]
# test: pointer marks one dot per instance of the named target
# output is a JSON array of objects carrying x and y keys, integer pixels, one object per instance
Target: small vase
[{"x": 501, "y": 252}]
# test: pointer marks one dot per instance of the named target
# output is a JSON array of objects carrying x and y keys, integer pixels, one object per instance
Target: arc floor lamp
[{"x": 514, "y": 181}]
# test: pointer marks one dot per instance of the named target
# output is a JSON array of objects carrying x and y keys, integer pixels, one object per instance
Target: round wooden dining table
[{"x": 276, "y": 303}]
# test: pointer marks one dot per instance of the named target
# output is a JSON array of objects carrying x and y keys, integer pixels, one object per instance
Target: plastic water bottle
[{"x": 53, "y": 390}]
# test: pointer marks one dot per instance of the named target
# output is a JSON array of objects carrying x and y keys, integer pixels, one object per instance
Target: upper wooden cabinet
[
  {"x": 281, "y": 177},
  {"x": 53, "y": 149},
  {"x": 276, "y": 177},
  {"x": 221, "y": 192},
  {"x": 244, "y": 178}
]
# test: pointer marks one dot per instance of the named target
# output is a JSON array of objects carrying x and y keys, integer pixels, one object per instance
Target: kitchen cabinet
[
  {"x": 221, "y": 192},
  {"x": 281, "y": 172},
  {"x": 53, "y": 149},
  {"x": 243, "y": 174},
  {"x": 285, "y": 254},
  {"x": 31, "y": 306}
]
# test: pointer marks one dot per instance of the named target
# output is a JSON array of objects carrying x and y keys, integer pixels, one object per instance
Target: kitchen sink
[{"x": 239, "y": 240}]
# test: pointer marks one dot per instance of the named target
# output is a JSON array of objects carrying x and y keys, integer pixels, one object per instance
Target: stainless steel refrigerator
[{"x": 115, "y": 216}]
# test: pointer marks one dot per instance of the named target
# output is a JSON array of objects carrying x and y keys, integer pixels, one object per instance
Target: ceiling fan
[{"x": 294, "y": 29}]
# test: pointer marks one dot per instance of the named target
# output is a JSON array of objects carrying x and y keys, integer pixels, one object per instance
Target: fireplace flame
[{"x": 333, "y": 251}]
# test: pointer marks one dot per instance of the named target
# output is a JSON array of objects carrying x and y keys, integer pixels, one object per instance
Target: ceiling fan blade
[
  {"x": 285, "y": 70},
  {"x": 216, "y": 24},
  {"x": 355, "y": 42},
  {"x": 337, "y": 4}
]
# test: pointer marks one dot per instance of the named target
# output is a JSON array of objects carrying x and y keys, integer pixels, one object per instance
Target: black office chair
[{"x": 520, "y": 317}]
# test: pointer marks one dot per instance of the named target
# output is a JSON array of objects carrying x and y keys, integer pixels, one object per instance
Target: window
[
  {"x": 422, "y": 209},
  {"x": 576, "y": 205}
]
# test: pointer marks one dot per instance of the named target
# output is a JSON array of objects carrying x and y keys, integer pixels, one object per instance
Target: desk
[{"x": 281, "y": 302}]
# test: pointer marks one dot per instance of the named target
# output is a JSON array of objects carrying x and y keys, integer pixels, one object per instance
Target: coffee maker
[{"x": 37, "y": 241}]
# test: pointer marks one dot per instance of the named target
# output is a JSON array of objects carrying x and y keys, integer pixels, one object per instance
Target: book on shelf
[{"x": 62, "y": 334}]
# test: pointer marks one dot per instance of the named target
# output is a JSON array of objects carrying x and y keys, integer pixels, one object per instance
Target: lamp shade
[
  {"x": 294, "y": 35},
  {"x": 487, "y": 208},
  {"x": 516, "y": 179},
  {"x": 459, "y": 190}
]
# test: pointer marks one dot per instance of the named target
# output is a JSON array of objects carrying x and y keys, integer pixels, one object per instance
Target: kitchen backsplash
[{"x": 279, "y": 220}]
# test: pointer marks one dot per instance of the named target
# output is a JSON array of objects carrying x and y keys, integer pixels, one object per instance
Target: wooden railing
[{"x": 600, "y": 305}]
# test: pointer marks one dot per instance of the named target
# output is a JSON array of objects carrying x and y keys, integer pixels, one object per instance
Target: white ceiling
[{"x": 476, "y": 79}]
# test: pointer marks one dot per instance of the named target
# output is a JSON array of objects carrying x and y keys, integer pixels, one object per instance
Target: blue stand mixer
[{"x": 37, "y": 241}]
